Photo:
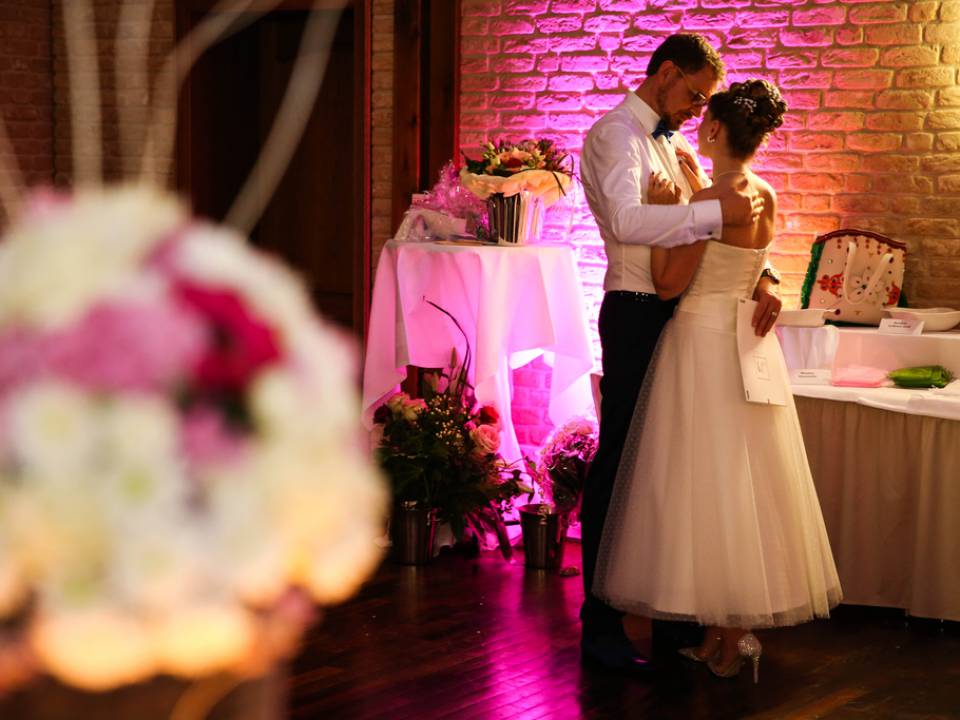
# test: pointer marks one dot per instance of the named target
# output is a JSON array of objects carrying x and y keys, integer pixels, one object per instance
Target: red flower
[
  {"x": 240, "y": 342},
  {"x": 381, "y": 414},
  {"x": 489, "y": 415}
]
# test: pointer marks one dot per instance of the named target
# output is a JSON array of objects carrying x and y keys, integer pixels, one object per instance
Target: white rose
[{"x": 486, "y": 438}]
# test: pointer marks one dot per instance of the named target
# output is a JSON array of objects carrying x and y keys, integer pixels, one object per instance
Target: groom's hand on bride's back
[{"x": 739, "y": 204}]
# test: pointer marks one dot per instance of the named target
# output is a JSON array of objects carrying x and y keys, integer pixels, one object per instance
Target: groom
[{"x": 629, "y": 151}]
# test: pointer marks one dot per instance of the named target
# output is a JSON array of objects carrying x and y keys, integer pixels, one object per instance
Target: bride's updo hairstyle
[{"x": 750, "y": 110}]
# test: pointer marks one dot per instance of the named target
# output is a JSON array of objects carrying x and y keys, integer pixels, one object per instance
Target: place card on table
[
  {"x": 810, "y": 376},
  {"x": 900, "y": 326}
]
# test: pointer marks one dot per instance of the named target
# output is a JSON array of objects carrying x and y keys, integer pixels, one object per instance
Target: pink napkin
[{"x": 859, "y": 376}]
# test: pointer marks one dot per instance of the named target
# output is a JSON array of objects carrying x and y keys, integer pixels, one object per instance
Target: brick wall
[
  {"x": 381, "y": 108},
  {"x": 872, "y": 139},
  {"x": 130, "y": 106},
  {"x": 26, "y": 89}
]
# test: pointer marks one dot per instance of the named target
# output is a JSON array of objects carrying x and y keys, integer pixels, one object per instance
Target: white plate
[
  {"x": 934, "y": 319},
  {"x": 811, "y": 317}
]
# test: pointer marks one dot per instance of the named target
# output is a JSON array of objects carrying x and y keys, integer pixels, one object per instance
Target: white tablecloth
[
  {"x": 887, "y": 484},
  {"x": 514, "y": 303},
  {"x": 829, "y": 346}
]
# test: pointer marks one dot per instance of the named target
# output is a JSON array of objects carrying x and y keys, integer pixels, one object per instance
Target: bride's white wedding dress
[{"x": 714, "y": 516}]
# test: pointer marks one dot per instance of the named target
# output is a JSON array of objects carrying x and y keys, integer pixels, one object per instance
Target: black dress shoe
[{"x": 613, "y": 652}]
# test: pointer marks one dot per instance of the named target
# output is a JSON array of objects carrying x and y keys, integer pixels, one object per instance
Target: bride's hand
[
  {"x": 661, "y": 191},
  {"x": 691, "y": 170}
]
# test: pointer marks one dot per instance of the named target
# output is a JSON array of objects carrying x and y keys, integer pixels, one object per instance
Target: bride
[{"x": 714, "y": 517}]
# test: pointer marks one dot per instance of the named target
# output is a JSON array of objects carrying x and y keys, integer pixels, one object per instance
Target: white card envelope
[{"x": 759, "y": 360}]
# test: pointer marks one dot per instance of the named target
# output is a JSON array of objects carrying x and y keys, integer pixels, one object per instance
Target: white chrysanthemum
[
  {"x": 54, "y": 267},
  {"x": 94, "y": 649},
  {"x": 322, "y": 496},
  {"x": 140, "y": 429},
  {"x": 159, "y": 564},
  {"x": 316, "y": 402},
  {"x": 250, "y": 551},
  {"x": 53, "y": 429},
  {"x": 141, "y": 470},
  {"x": 60, "y": 539},
  {"x": 203, "y": 638},
  {"x": 345, "y": 553}
]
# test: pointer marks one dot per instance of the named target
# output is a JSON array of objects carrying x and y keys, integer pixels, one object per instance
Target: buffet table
[
  {"x": 514, "y": 303},
  {"x": 886, "y": 463}
]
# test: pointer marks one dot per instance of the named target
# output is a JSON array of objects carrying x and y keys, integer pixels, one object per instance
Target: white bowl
[
  {"x": 811, "y": 317},
  {"x": 934, "y": 319}
]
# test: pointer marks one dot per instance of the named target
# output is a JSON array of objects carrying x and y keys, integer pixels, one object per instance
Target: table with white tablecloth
[
  {"x": 886, "y": 463},
  {"x": 514, "y": 304}
]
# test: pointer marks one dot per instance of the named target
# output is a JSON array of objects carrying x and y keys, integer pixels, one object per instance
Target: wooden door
[{"x": 318, "y": 218}]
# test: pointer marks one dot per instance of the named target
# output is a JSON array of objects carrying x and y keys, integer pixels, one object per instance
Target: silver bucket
[
  {"x": 544, "y": 531},
  {"x": 515, "y": 220},
  {"x": 412, "y": 532}
]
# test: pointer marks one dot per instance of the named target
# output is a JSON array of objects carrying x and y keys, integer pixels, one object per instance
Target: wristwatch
[{"x": 771, "y": 272}]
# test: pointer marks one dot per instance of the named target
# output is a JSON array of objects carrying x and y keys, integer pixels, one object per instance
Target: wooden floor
[{"x": 480, "y": 638}]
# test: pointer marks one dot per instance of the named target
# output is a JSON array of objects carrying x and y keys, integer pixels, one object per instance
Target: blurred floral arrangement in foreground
[{"x": 181, "y": 475}]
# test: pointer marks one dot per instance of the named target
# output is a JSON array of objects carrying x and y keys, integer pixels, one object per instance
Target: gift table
[
  {"x": 886, "y": 463},
  {"x": 514, "y": 303}
]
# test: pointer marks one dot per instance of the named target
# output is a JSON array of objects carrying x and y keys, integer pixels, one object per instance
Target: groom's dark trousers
[{"x": 630, "y": 325}]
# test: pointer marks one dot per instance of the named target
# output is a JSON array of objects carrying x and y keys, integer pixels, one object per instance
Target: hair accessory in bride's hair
[{"x": 748, "y": 103}]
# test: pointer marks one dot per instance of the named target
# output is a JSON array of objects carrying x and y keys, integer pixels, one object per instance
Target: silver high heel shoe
[
  {"x": 690, "y": 653},
  {"x": 748, "y": 647}
]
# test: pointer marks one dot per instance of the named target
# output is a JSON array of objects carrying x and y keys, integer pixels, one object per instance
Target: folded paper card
[{"x": 761, "y": 361}]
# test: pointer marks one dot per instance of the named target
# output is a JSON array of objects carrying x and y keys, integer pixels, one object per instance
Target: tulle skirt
[{"x": 714, "y": 516}]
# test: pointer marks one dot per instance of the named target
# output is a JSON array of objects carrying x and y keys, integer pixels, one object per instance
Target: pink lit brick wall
[{"x": 872, "y": 139}]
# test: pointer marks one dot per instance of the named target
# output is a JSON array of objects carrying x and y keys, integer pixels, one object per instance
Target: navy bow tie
[{"x": 662, "y": 129}]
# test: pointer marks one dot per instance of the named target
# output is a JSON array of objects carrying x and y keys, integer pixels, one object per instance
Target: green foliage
[{"x": 440, "y": 451}]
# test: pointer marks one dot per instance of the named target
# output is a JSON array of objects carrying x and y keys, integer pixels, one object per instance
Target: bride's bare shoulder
[{"x": 766, "y": 190}]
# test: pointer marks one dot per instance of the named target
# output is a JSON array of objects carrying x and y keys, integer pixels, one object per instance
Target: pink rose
[{"x": 486, "y": 438}]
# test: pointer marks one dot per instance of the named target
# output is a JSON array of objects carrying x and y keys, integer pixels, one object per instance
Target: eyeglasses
[{"x": 697, "y": 98}]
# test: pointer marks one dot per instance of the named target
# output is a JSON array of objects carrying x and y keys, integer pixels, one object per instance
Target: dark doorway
[{"x": 318, "y": 218}]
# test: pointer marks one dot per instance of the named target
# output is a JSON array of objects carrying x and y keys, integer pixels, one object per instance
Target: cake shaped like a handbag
[{"x": 856, "y": 274}]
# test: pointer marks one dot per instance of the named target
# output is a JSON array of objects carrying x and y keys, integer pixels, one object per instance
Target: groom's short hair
[{"x": 688, "y": 51}]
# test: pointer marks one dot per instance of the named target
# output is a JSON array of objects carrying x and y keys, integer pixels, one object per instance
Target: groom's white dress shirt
[{"x": 619, "y": 154}]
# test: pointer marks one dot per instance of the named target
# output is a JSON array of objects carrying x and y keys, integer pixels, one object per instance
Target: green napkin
[{"x": 926, "y": 376}]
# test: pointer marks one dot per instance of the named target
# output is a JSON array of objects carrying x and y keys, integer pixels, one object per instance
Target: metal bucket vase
[
  {"x": 515, "y": 220},
  {"x": 544, "y": 531},
  {"x": 412, "y": 531}
]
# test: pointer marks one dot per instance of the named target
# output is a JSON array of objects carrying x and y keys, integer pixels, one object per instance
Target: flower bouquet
[
  {"x": 440, "y": 452},
  {"x": 564, "y": 463},
  {"x": 518, "y": 182},
  {"x": 180, "y": 472}
]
